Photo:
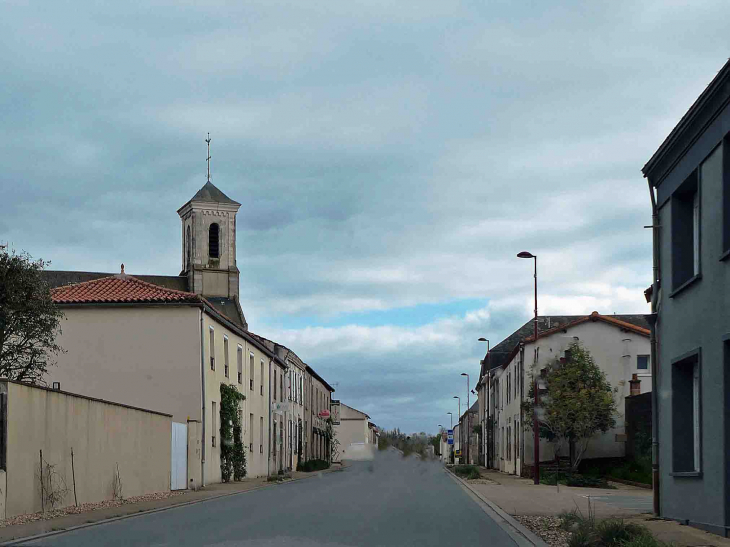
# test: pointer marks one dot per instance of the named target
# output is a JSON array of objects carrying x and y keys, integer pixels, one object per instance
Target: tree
[
  {"x": 576, "y": 402},
  {"x": 29, "y": 321}
]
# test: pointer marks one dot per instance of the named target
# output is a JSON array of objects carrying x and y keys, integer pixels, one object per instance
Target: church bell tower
[{"x": 209, "y": 242}]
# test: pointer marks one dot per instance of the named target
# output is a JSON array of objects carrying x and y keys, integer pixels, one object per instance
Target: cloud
[{"x": 391, "y": 159}]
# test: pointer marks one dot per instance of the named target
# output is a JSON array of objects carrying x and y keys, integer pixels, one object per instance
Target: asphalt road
[{"x": 389, "y": 501}]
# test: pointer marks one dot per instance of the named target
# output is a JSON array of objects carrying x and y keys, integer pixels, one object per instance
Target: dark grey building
[{"x": 689, "y": 181}]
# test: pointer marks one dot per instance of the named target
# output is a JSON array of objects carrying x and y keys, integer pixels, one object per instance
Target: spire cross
[{"x": 208, "y": 160}]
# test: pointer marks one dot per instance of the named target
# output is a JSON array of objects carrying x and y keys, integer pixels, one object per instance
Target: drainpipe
[
  {"x": 656, "y": 274},
  {"x": 268, "y": 450},
  {"x": 202, "y": 382},
  {"x": 521, "y": 431}
]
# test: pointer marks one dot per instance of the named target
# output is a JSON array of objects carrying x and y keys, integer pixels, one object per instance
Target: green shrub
[
  {"x": 645, "y": 540},
  {"x": 465, "y": 470},
  {"x": 612, "y": 532},
  {"x": 574, "y": 479},
  {"x": 313, "y": 465},
  {"x": 638, "y": 470},
  {"x": 474, "y": 474}
]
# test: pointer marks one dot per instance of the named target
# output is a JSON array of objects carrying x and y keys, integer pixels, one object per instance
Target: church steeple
[{"x": 209, "y": 242}]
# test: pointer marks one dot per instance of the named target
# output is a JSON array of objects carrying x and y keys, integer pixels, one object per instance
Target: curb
[
  {"x": 22, "y": 540},
  {"x": 519, "y": 533}
]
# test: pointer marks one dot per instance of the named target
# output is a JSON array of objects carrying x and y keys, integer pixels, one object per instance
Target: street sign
[
  {"x": 457, "y": 453},
  {"x": 324, "y": 414},
  {"x": 451, "y": 436}
]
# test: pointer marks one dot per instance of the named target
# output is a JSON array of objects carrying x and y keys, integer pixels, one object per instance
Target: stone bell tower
[{"x": 209, "y": 243}]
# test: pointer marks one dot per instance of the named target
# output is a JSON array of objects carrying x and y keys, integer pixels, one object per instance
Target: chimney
[{"x": 635, "y": 385}]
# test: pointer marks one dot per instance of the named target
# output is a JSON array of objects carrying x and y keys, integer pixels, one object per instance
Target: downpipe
[{"x": 654, "y": 353}]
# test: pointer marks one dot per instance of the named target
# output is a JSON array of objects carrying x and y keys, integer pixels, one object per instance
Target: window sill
[
  {"x": 725, "y": 255},
  {"x": 684, "y": 285},
  {"x": 685, "y": 474}
]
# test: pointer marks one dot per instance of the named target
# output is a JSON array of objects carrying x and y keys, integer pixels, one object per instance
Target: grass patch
[{"x": 466, "y": 471}]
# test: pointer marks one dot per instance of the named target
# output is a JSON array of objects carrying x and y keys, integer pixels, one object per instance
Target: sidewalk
[
  {"x": 520, "y": 497},
  {"x": 211, "y": 491}
]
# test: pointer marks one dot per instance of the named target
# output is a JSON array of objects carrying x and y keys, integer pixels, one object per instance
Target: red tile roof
[
  {"x": 119, "y": 289},
  {"x": 595, "y": 316}
]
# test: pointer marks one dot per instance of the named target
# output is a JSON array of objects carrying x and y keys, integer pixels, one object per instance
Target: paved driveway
[{"x": 389, "y": 501}]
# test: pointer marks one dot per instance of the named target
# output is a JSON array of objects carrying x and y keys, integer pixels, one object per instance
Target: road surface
[{"x": 389, "y": 501}]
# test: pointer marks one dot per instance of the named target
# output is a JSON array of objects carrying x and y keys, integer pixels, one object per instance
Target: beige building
[
  {"x": 353, "y": 432},
  {"x": 168, "y": 343},
  {"x": 84, "y": 443},
  {"x": 317, "y": 408},
  {"x": 618, "y": 344}
]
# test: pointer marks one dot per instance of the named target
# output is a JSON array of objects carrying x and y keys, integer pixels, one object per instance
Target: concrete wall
[
  {"x": 147, "y": 357},
  {"x": 102, "y": 436},
  {"x": 697, "y": 317}
]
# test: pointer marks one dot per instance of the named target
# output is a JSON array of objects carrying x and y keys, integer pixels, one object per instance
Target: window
[
  {"x": 250, "y": 366},
  {"x": 213, "y": 241},
  {"x": 261, "y": 435},
  {"x": 214, "y": 421},
  {"x": 225, "y": 355},
  {"x": 642, "y": 362},
  {"x": 250, "y": 432},
  {"x": 274, "y": 384},
  {"x": 726, "y": 196},
  {"x": 288, "y": 384},
  {"x": 517, "y": 438},
  {"x": 188, "y": 248},
  {"x": 686, "y": 414},
  {"x": 211, "y": 348},
  {"x": 273, "y": 439},
  {"x": 239, "y": 362},
  {"x": 685, "y": 232},
  {"x": 262, "y": 377},
  {"x": 281, "y": 385}
]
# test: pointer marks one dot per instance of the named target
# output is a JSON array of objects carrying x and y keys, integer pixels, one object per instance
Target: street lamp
[
  {"x": 458, "y": 421},
  {"x": 451, "y": 415},
  {"x": 486, "y": 409},
  {"x": 535, "y": 424},
  {"x": 468, "y": 408}
]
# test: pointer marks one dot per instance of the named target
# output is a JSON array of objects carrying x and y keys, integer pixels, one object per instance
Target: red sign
[{"x": 324, "y": 414}]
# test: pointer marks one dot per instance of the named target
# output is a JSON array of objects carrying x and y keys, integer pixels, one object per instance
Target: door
[{"x": 179, "y": 467}]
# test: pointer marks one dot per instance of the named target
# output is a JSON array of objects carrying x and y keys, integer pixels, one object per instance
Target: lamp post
[
  {"x": 458, "y": 421},
  {"x": 468, "y": 421},
  {"x": 535, "y": 423},
  {"x": 487, "y": 459},
  {"x": 451, "y": 415}
]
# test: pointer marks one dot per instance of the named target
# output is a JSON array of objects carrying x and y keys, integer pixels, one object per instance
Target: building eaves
[
  {"x": 720, "y": 78},
  {"x": 322, "y": 380}
]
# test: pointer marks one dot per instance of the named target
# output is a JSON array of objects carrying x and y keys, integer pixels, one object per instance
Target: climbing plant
[
  {"x": 331, "y": 436},
  {"x": 233, "y": 453}
]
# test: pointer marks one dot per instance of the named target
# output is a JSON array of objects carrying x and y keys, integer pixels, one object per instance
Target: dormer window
[{"x": 213, "y": 241}]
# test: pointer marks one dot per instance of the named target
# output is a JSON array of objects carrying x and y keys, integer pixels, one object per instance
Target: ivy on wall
[{"x": 233, "y": 453}]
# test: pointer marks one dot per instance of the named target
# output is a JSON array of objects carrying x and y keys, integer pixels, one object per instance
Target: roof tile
[{"x": 119, "y": 289}]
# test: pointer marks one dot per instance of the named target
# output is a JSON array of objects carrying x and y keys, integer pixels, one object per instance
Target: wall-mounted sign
[
  {"x": 324, "y": 414},
  {"x": 280, "y": 407},
  {"x": 335, "y": 411}
]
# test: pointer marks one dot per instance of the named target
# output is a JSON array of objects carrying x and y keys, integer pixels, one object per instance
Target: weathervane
[{"x": 208, "y": 160}]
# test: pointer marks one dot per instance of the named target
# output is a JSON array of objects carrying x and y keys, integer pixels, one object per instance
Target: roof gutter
[{"x": 656, "y": 278}]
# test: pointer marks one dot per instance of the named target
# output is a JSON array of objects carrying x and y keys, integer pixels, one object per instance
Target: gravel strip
[
  {"x": 547, "y": 528},
  {"x": 85, "y": 507}
]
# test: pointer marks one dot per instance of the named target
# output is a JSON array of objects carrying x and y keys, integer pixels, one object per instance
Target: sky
[{"x": 391, "y": 159}]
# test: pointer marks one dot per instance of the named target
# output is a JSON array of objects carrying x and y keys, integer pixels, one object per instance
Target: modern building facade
[{"x": 689, "y": 182}]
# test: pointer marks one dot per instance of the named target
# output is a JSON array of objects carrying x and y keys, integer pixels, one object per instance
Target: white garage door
[{"x": 179, "y": 468}]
